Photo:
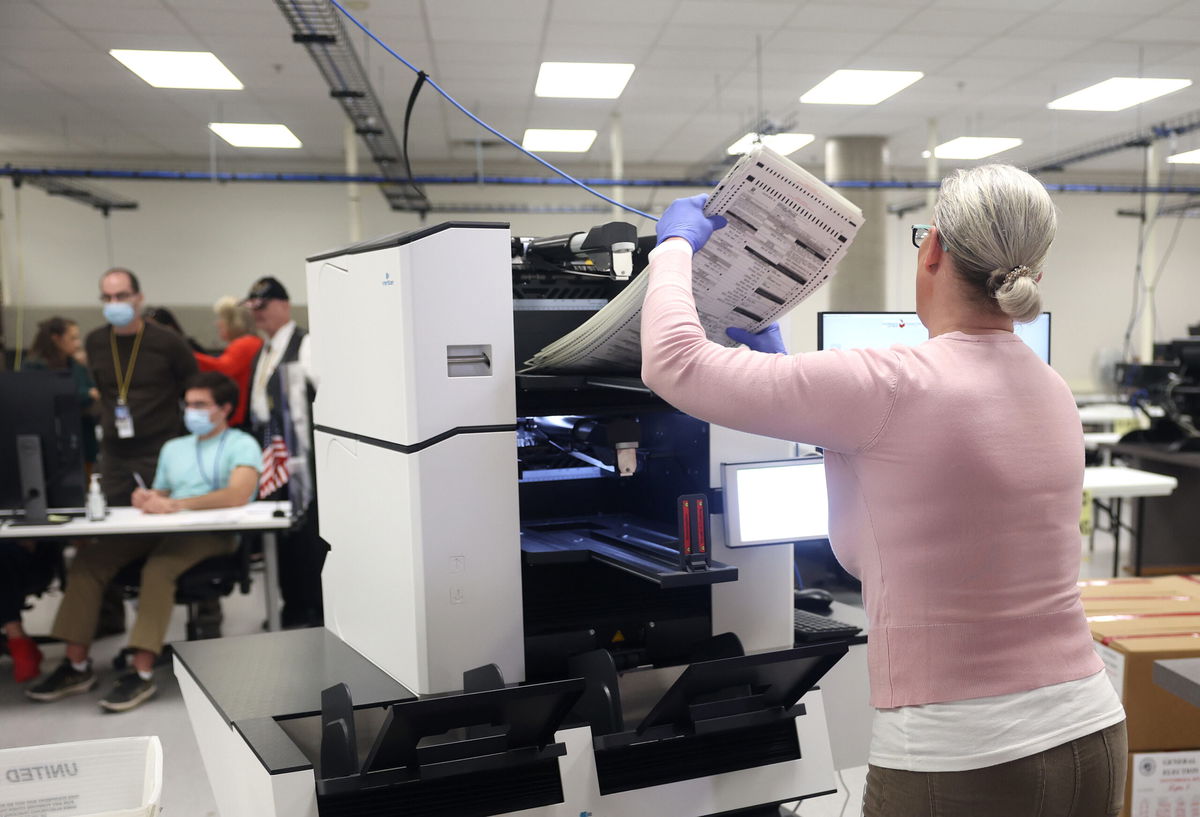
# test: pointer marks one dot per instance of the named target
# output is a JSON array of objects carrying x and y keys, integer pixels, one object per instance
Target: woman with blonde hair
[
  {"x": 233, "y": 327},
  {"x": 955, "y": 469}
]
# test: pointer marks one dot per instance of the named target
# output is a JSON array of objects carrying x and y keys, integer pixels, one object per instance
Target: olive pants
[
  {"x": 1083, "y": 778},
  {"x": 166, "y": 558}
]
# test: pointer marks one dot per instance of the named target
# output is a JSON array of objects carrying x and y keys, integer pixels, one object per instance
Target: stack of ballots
[{"x": 786, "y": 232}]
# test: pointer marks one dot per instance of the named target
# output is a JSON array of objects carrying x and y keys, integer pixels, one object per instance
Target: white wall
[
  {"x": 1089, "y": 276},
  {"x": 192, "y": 242}
]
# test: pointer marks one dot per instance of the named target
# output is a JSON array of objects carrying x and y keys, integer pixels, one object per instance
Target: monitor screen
[
  {"x": 775, "y": 502},
  {"x": 881, "y": 330}
]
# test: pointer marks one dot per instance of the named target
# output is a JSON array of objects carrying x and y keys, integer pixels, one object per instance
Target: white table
[
  {"x": 1106, "y": 414},
  {"x": 257, "y": 516},
  {"x": 1094, "y": 439},
  {"x": 1116, "y": 483}
]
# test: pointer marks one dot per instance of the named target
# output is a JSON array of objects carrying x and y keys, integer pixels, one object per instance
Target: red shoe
[{"x": 27, "y": 659}]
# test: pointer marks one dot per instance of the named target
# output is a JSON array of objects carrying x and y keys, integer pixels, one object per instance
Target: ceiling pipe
[{"x": 536, "y": 181}]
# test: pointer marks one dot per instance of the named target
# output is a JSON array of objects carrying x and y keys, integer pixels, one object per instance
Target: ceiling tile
[
  {"x": 762, "y": 16},
  {"x": 862, "y": 17}
]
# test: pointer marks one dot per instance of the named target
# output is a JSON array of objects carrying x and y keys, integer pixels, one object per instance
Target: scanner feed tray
[{"x": 620, "y": 542}]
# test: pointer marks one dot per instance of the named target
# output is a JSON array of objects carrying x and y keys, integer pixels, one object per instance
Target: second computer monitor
[
  {"x": 770, "y": 503},
  {"x": 882, "y": 330}
]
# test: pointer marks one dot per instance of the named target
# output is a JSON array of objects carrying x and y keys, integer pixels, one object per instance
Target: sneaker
[
  {"x": 27, "y": 659},
  {"x": 129, "y": 691},
  {"x": 64, "y": 681}
]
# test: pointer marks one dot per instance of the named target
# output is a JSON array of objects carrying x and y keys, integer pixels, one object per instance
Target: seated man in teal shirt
[{"x": 213, "y": 467}]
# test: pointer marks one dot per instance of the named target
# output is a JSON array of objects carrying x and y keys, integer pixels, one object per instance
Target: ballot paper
[{"x": 785, "y": 234}]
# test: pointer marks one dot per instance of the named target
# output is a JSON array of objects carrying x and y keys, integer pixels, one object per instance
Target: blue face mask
[
  {"x": 118, "y": 313},
  {"x": 198, "y": 422}
]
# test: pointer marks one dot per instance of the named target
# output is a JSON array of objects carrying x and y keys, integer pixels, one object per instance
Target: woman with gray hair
[
  {"x": 955, "y": 470},
  {"x": 236, "y": 361}
]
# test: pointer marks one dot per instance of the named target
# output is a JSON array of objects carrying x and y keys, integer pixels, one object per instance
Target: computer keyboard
[{"x": 816, "y": 627}]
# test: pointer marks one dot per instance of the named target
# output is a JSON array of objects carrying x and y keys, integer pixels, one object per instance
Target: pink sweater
[{"x": 955, "y": 472}]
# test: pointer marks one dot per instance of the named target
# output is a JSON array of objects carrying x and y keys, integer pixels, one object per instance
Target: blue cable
[{"x": 481, "y": 123}]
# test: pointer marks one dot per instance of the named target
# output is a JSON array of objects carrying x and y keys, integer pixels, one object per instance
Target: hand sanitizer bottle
[{"x": 97, "y": 507}]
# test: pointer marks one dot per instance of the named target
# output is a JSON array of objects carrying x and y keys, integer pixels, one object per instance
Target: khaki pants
[
  {"x": 96, "y": 565},
  {"x": 1082, "y": 778}
]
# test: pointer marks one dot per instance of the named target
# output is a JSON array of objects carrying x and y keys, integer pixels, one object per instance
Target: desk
[
  {"x": 1168, "y": 524},
  {"x": 257, "y": 516},
  {"x": 1180, "y": 676},
  {"x": 1107, "y": 414},
  {"x": 1117, "y": 483}
]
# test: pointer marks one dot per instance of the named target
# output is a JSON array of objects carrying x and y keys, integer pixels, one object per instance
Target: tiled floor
[{"x": 186, "y": 791}]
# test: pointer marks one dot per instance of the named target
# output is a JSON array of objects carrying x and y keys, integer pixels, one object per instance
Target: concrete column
[
  {"x": 861, "y": 281},
  {"x": 1145, "y": 346}
]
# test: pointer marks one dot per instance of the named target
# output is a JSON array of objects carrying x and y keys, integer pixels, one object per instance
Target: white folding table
[
  {"x": 266, "y": 517},
  {"x": 1110, "y": 485}
]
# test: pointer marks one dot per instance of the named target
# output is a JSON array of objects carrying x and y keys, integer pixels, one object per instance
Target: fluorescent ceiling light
[
  {"x": 179, "y": 69},
  {"x": 583, "y": 80},
  {"x": 974, "y": 147},
  {"x": 550, "y": 140},
  {"x": 1117, "y": 94},
  {"x": 1190, "y": 157},
  {"x": 782, "y": 143},
  {"x": 853, "y": 87},
  {"x": 245, "y": 135}
]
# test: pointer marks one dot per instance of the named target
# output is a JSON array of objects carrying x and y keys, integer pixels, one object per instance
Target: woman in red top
[{"x": 233, "y": 327}]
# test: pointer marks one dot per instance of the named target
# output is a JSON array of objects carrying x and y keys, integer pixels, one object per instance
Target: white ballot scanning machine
[{"x": 534, "y": 564}]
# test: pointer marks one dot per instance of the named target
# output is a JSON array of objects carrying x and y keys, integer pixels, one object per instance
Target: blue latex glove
[
  {"x": 685, "y": 219},
  {"x": 769, "y": 340}
]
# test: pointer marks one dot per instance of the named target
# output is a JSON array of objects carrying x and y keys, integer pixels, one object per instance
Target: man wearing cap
[{"x": 282, "y": 388}]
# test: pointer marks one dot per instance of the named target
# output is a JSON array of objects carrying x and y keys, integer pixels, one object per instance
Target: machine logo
[
  {"x": 901, "y": 323},
  {"x": 387, "y": 280}
]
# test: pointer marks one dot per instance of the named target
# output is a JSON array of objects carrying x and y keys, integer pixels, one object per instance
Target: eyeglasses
[{"x": 919, "y": 232}]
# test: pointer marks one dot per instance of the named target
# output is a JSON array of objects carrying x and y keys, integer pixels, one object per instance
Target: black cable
[{"x": 412, "y": 100}]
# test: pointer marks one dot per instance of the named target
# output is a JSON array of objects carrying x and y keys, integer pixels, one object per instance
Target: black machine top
[
  {"x": 272, "y": 675},
  {"x": 399, "y": 239}
]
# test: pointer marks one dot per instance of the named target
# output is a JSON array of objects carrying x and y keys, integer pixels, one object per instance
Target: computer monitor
[
  {"x": 775, "y": 502},
  {"x": 882, "y": 330},
  {"x": 41, "y": 445}
]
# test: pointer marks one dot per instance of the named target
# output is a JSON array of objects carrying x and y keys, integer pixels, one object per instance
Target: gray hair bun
[
  {"x": 997, "y": 223},
  {"x": 1017, "y": 292}
]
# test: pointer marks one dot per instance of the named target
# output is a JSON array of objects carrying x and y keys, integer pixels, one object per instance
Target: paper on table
[
  {"x": 218, "y": 516},
  {"x": 786, "y": 232}
]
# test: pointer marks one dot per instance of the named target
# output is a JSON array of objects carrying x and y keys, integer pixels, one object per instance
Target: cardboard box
[
  {"x": 1157, "y": 719},
  {"x": 1137, "y": 621},
  {"x": 1142, "y": 594},
  {"x": 1166, "y": 783}
]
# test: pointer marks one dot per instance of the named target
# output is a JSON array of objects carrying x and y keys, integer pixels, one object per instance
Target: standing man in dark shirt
[{"x": 140, "y": 370}]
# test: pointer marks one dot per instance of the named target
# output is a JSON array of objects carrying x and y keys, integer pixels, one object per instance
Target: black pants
[
  {"x": 301, "y": 559},
  {"x": 23, "y": 570},
  {"x": 117, "y": 482}
]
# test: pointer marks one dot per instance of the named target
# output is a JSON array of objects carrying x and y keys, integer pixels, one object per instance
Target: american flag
[{"x": 273, "y": 474}]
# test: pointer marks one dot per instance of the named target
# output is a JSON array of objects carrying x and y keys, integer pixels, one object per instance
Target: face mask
[
  {"x": 198, "y": 422},
  {"x": 118, "y": 313}
]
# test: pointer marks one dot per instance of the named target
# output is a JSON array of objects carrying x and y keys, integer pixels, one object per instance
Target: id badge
[{"x": 124, "y": 421}]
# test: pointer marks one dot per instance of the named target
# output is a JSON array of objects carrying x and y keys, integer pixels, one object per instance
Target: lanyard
[
  {"x": 123, "y": 380},
  {"x": 215, "y": 482}
]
